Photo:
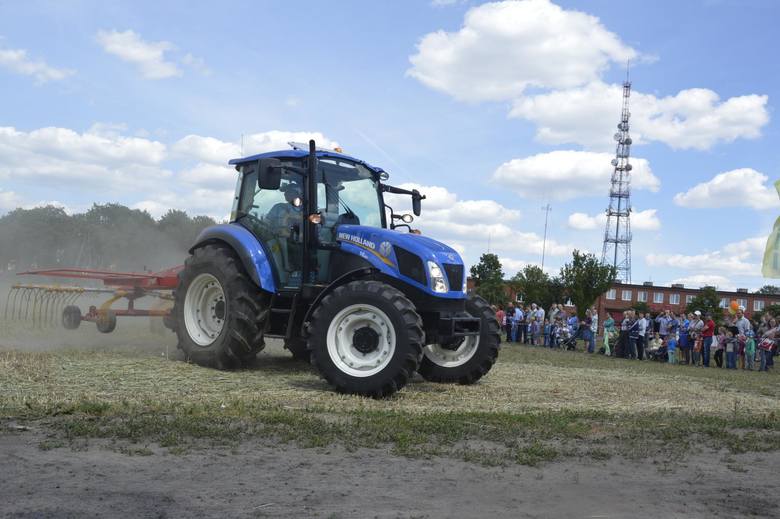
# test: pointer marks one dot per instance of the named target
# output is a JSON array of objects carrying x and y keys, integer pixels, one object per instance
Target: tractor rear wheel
[
  {"x": 220, "y": 313},
  {"x": 466, "y": 359},
  {"x": 366, "y": 338}
]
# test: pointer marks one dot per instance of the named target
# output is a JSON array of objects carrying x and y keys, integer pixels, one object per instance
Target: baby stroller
[
  {"x": 658, "y": 353},
  {"x": 566, "y": 340}
]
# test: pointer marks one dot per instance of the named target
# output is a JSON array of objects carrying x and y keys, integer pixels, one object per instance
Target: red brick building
[{"x": 676, "y": 298}]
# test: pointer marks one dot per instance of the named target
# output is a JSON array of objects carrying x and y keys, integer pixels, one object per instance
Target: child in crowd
[
  {"x": 750, "y": 350},
  {"x": 547, "y": 332},
  {"x": 698, "y": 343},
  {"x": 731, "y": 346},
  {"x": 718, "y": 344},
  {"x": 533, "y": 330},
  {"x": 671, "y": 348}
]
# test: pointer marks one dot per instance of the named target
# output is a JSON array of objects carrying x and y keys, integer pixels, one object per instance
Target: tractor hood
[{"x": 405, "y": 256}]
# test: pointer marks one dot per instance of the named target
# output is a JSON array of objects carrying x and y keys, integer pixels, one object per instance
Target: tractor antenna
[{"x": 547, "y": 208}]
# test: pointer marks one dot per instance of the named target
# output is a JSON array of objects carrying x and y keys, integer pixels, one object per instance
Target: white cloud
[
  {"x": 149, "y": 57},
  {"x": 475, "y": 224},
  {"x": 206, "y": 149},
  {"x": 16, "y": 60},
  {"x": 506, "y": 47},
  {"x": 737, "y": 258},
  {"x": 693, "y": 118},
  {"x": 743, "y": 187},
  {"x": 646, "y": 220},
  {"x": 569, "y": 174},
  {"x": 9, "y": 201}
]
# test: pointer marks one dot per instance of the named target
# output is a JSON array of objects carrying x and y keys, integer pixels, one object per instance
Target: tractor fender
[
  {"x": 352, "y": 275},
  {"x": 250, "y": 251}
]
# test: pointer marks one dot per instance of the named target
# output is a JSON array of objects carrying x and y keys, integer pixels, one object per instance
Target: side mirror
[
  {"x": 416, "y": 199},
  {"x": 269, "y": 174}
]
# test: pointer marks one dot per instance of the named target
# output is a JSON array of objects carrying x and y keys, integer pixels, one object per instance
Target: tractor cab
[{"x": 278, "y": 210}]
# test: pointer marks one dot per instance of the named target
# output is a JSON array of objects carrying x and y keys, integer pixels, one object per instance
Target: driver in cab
[{"x": 285, "y": 217}]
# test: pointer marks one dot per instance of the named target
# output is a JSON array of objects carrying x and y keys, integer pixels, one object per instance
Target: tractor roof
[{"x": 298, "y": 154}]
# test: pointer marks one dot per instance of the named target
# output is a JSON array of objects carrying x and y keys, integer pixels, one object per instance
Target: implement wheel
[
  {"x": 366, "y": 338},
  {"x": 220, "y": 313},
  {"x": 71, "y": 317},
  {"x": 106, "y": 321},
  {"x": 467, "y": 359}
]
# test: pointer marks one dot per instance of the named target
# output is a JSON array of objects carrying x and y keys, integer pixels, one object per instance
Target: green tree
[
  {"x": 771, "y": 310},
  {"x": 642, "y": 307},
  {"x": 768, "y": 290},
  {"x": 585, "y": 279},
  {"x": 534, "y": 285},
  {"x": 488, "y": 279},
  {"x": 705, "y": 301}
]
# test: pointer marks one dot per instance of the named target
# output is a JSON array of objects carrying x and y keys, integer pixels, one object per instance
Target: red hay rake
[{"x": 48, "y": 305}]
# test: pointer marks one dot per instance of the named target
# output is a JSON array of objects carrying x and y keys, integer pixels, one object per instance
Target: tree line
[
  {"x": 582, "y": 280},
  {"x": 107, "y": 236}
]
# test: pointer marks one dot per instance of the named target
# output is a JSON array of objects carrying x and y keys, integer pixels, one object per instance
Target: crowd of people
[{"x": 686, "y": 338}]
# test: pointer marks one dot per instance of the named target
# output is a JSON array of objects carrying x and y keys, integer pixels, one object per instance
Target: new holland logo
[{"x": 385, "y": 249}]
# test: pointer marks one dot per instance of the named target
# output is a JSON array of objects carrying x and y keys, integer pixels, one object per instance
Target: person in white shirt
[{"x": 640, "y": 344}]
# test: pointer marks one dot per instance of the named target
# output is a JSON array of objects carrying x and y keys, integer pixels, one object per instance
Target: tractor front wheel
[
  {"x": 466, "y": 359},
  {"x": 366, "y": 338},
  {"x": 220, "y": 314}
]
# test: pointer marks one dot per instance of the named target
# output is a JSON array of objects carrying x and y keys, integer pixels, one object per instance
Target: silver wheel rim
[
  {"x": 340, "y": 335},
  {"x": 204, "y": 309},
  {"x": 452, "y": 358}
]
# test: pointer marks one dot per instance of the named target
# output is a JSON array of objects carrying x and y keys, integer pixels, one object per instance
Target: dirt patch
[{"x": 261, "y": 480}]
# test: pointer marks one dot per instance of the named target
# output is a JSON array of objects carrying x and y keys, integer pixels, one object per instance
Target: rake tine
[
  {"x": 40, "y": 297},
  {"x": 15, "y": 304},
  {"x": 55, "y": 308},
  {"x": 28, "y": 293},
  {"x": 8, "y": 303}
]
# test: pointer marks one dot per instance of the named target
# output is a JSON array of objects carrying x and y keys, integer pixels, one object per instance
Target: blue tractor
[{"x": 315, "y": 256}]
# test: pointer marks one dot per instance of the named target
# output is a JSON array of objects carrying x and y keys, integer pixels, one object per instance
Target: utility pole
[{"x": 547, "y": 208}]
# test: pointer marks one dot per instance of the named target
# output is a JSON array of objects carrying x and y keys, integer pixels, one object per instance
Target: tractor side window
[{"x": 276, "y": 218}]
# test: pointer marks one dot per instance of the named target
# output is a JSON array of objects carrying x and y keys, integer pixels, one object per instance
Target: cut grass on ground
[{"x": 534, "y": 406}]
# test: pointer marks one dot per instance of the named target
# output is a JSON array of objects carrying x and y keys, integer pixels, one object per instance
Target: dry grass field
[{"x": 535, "y": 405}]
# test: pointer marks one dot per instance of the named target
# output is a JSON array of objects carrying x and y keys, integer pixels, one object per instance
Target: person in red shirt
[
  {"x": 501, "y": 317},
  {"x": 706, "y": 333}
]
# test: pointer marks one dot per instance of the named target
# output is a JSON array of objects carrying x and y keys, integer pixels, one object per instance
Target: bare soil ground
[
  {"x": 110, "y": 426},
  {"x": 261, "y": 480}
]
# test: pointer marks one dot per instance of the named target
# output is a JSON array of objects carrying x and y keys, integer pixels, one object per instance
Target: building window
[
  {"x": 611, "y": 293},
  {"x": 758, "y": 305},
  {"x": 742, "y": 303},
  {"x": 724, "y": 302},
  {"x": 641, "y": 296},
  {"x": 688, "y": 299},
  {"x": 658, "y": 297},
  {"x": 674, "y": 299},
  {"x": 518, "y": 297},
  {"x": 626, "y": 295}
]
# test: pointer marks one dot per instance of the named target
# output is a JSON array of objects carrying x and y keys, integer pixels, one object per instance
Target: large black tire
[
  {"x": 403, "y": 356},
  {"x": 479, "y": 363},
  {"x": 299, "y": 349},
  {"x": 243, "y": 314}
]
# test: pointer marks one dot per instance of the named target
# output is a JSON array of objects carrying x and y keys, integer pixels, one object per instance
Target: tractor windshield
[{"x": 348, "y": 194}]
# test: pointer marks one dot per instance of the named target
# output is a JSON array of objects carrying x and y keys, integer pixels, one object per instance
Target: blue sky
[{"x": 495, "y": 109}]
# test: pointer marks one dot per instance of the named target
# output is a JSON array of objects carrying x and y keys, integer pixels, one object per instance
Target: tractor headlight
[{"x": 438, "y": 283}]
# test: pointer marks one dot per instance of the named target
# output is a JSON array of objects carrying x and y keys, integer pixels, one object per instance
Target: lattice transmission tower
[{"x": 617, "y": 235}]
